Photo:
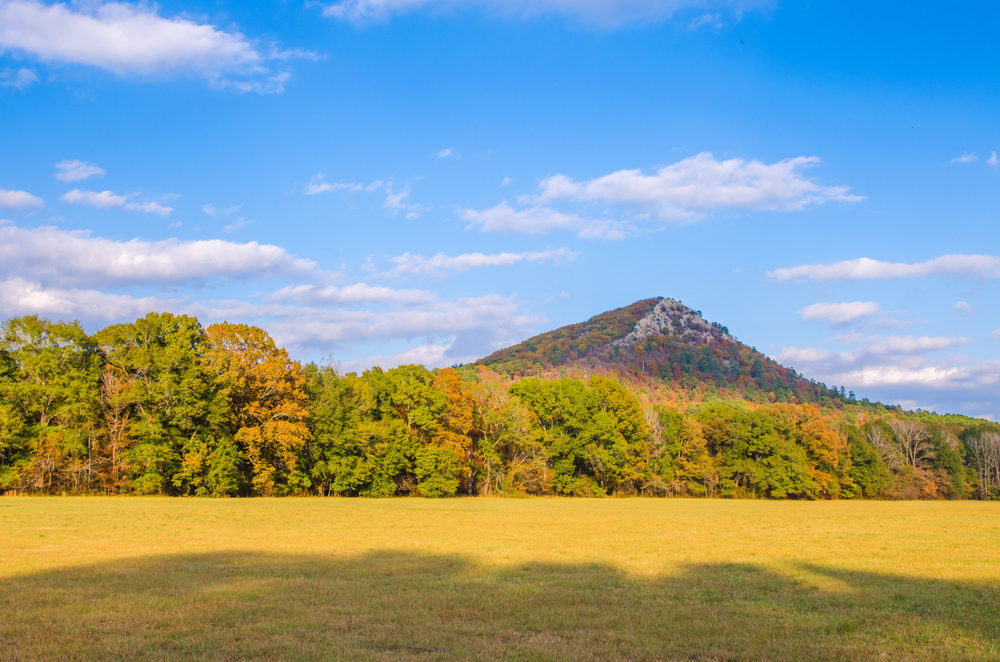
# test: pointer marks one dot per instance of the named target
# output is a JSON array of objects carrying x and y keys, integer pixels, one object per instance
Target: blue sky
[{"x": 386, "y": 181}]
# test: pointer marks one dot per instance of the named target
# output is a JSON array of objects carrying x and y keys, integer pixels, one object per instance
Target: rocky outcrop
[{"x": 671, "y": 317}]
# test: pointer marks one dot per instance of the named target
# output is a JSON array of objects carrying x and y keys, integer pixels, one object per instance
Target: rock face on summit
[
  {"x": 661, "y": 339},
  {"x": 672, "y": 316}
]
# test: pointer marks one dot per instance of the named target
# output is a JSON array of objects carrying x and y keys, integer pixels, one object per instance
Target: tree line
[{"x": 165, "y": 406}]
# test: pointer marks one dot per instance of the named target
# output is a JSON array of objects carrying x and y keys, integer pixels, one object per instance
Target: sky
[{"x": 427, "y": 181}]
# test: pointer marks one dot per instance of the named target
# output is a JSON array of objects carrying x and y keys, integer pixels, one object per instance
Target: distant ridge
[{"x": 664, "y": 340}]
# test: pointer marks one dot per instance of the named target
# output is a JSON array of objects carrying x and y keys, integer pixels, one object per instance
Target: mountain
[{"x": 663, "y": 340}]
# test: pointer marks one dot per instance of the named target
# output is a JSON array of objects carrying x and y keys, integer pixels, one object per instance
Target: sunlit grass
[{"x": 533, "y": 579}]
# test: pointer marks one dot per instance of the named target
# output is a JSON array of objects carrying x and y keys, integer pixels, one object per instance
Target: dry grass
[{"x": 470, "y": 579}]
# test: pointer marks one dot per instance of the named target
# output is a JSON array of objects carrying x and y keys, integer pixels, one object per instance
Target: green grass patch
[{"x": 482, "y": 579}]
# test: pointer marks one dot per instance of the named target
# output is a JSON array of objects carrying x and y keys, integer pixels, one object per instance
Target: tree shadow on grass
[{"x": 409, "y": 606}]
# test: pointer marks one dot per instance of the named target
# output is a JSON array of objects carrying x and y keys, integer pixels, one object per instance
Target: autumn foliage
[{"x": 165, "y": 406}]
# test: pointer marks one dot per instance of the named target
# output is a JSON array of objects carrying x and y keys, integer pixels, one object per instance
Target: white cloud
[
  {"x": 133, "y": 40},
  {"x": 442, "y": 265},
  {"x": 315, "y": 295},
  {"x": 979, "y": 266},
  {"x": 914, "y": 345},
  {"x": 877, "y": 348},
  {"x": 74, "y": 259},
  {"x": 713, "y": 20},
  {"x": 18, "y": 79},
  {"x": 686, "y": 190},
  {"x": 840, "y": 313},
  {"x": 603, "y": 13},
  {"x": 149, "y": 208},
  {"x": 74, "y": 171},
  {"x": 895, "y": 376},
  {"x": 993, "y": 160},
  {"x": 700, "y": 184},
  {"x": 431, "y": 356},
  {"x": 965, "y": 158},
  {"x": 18, "y": 199},
  {"x": 397, "y": 202},
  {"x": 215, "y": 213},
  {"x": 102, "y": 200},
  {"x": 540, "y": 220},
  {"x": 479, "y": 325},
  {"x": 891, "y": 361},
  {"x": 22, "y": 297},
  {"x": 963, "y": 306},
  {"x": 447, "y": 153},
  {"x": 469, "y": 327},
  {"x": 317, "y": 185},
  {"x": 109, "y": 200},
  {"x": 266, "y": 85},
  {"x": 394, "y": 201},
  {"x": 66, "y": 275},
  {"x": 236, "y": 225},
  {"x": 506, "y": 180},
  {"x": 807, "y": 355}
]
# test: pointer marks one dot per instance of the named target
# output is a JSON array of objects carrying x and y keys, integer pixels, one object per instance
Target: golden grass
[{"x": 487, "y": 579}]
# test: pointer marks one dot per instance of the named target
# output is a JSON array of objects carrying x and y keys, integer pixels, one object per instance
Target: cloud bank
[
  {"x": 977, "y": 266},
  {"x": 316, "y": 295},
  {"x": 108, "y": 200},
  {"x": 134, "y": 40},
  {"x": 66, "y": 275},
  {"x": 701, "y": 184},
  {"x": 685, "y": 191},
  {"x": 74, "y": 259},
  {"x": 900, "y": 364}
]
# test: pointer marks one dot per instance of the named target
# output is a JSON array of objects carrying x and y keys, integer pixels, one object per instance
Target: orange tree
[{"x": 268, "y": 405}]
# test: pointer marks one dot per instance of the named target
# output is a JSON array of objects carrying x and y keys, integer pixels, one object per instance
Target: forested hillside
[
  {"x": 664, "y": 340},
  {"x": 646, "y": 400}
]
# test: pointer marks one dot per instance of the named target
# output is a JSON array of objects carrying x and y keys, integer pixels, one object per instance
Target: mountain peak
[{"x": 664, "y": 340}]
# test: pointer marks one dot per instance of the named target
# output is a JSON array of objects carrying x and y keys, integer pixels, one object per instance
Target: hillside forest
[{"x": 165, "y": 406}]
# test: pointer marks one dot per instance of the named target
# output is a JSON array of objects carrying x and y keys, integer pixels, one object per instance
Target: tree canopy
[{"x": 165, "y": 406}]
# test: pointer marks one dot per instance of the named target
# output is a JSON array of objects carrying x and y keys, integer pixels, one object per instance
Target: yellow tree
[
  {"x": 456, "y": 427},
  {"x": 827, "y": 448},
  {"x": 268, "y": 403}
]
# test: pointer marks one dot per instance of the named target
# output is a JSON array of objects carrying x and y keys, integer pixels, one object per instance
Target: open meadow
[{"x": 486, "y": 579}]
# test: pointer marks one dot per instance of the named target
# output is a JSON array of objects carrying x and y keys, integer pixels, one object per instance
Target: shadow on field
[{"x": 396, "y": 605}]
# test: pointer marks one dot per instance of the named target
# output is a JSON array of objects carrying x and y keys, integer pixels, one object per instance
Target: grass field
[{"x": 481, "y": 579}]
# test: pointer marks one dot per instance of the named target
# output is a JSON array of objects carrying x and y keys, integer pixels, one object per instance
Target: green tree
[
  {"x": 679, "y": 454},
  {"x": 49, "y": 375},
  {"x": 869, "y": 475},
  {"x": 337, "y": 462},
  {"x": 595, "y": 435},
  {"x": 176, "y": 411},
  {"x": 437, "y": 471},
  {"x": 752, "y": 458}
]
